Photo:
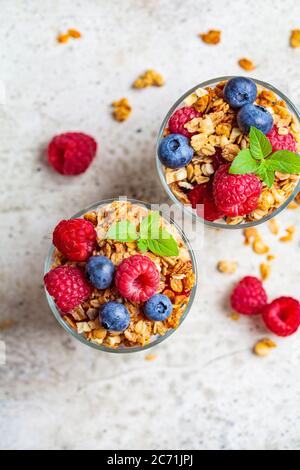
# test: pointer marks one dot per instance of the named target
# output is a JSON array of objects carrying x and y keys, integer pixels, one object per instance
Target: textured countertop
[{"x": 205, "y": 389}]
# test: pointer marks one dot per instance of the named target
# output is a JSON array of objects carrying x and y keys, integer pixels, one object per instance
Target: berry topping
[
  {"x": 236, "y": 195},
  {"x": 201, "y": 198},
  {"x": 217, "y": 158},
  {"x": 256, "y": 116},
  {"x": 281, "y": 142},
  {"x": 71, "y": 153},
  {"x": 240, "y": 91},
  {"x": 75, "y": 239},
  {"x": 68, "y": 286},
  {"x": 181, "y": 117},
  {"x": 249, "y": 297},
  {"x": 114, "y": 316},
  {"x": 137, "y": 278},
  {"x": 100, "y": 271},
  {"x": 158, "y": 307},
  {"x": 282, "y": 316},
  {"x": 174, "y": 151}
]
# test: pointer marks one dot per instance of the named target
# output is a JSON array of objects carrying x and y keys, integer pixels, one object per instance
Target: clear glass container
[
  {"x": 160, "y": 168},
  {"x": 154, "y": 339}
]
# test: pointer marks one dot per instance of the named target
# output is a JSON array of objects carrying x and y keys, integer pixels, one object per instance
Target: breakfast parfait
[
  {"x": 231, "y": 152},
  {"x": 121, "y": 275}
]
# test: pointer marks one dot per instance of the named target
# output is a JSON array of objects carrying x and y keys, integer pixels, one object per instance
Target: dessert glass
[
  {"x": 187, "y": 208},
  {"x": 154, "y": 339}
]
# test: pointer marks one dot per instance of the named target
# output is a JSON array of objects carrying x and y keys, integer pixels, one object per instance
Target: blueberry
[
  {"x": 114, "y": 316},
  {"x": 240, "y": 91},
  {"x": 100, "y": 271},
  {"x": 174, "y": 151},
  {"x": 158, "y": 307},
  {"x": 256, "y": 116}
]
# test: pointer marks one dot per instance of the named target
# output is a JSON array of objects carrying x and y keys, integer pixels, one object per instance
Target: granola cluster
[
  {"x": 177, "y": 280},
  {"x": 216, "y": 132}
]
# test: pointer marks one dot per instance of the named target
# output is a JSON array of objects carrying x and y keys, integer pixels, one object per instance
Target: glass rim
[
  {"x": 159, "y": 339},
  {"x": 187, "y": 209}
]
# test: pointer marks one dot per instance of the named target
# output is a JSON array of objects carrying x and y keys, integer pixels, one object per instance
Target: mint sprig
[
  {"x": 151, "y": 236},
  {"x": 260, "y": 160}
]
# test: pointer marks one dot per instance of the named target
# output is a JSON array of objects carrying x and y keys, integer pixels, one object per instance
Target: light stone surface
[{"x": 205, "y": 389}]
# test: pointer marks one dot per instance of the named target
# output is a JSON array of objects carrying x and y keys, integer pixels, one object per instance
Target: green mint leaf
[
  {"x": 123, "y": 231},
  {"x": 260, "y": 145},
  {"x": 266, "y": 174},
  {"x": 149, "y": 226},
  {"x": 165, "y": 245},
  {"x": 243, "y": 163},
  {"x": 285, "y": 162},
  {"x": 142, "y": 245}
]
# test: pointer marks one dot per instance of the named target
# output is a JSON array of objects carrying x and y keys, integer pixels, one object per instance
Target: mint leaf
[
  {"x": 142, "y": 245},
  {"x": 165, "y": 245},
  {"x": 123, "y": 231},
  {"x": 149, "y": 227},
  {"x": 285, "y": 162},
  {"x": 260, "y": 145},
  {"x": 243, "y": 163},
  {"x": 266, "y": 174}
]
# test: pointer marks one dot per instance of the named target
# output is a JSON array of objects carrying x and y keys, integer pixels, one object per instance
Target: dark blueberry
[
  {"x": 240, "y": 91},
  {"x": 256, "y": 116},
  {"x": 158, "y": 307},
  {"x": 114, "y": 316},
  {"x": 174, "y": 151},
  {"x": 100, "y": 271}
]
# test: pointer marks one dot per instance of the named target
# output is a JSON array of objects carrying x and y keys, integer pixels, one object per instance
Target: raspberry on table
[
  {"x": 282, "y": 316},
  {"x": 249, "y": 296},
  {"x": 71, "y": 153},
  {"x": 137, "y": 278},
  {"x": 180, "y": 118},
  {"x": 68, "y": 286},
  {"x": 75, "y": 239},
  {"x": 281, "y": 142},
  {"x": 236, "y": 195}
]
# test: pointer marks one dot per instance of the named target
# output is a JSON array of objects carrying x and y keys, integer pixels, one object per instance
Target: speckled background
[{"x": 205, "y": 389}]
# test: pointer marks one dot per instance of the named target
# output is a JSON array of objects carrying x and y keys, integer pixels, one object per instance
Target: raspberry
[
  {"x": 218, "y": 160},
  {"x": 249, "y": 297},
  {"x": 68, "y": 286},
  {"x": 282, "y": 316},
  {"x": 201, "y": 198},
  {"x": 181, "y": 117},
  {"x": 75, "y": 239},
  {"x": 71, "y": 153},
  {"x": 236, "y": 195},
  {"x": 281, "y": 142},
  {"x": 137, "y": 278}
]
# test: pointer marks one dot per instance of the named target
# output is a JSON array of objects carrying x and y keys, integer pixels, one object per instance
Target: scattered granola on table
[
  {"x": 213, "y": 37},
  {"x": 263, "y": 347},
  {"x": 122, "y": 109},
  {"x": 149, "y": 78},
  {"x": 71, "y": 33},
  {"x": 246, "y": 64},
  {"x": 295, "y": 38},
  {"x": 121, "y": 275},
  {"x": 231, "y": 152}
]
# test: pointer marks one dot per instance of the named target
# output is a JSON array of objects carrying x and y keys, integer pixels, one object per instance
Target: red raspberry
[
  {"x": 181, "y": 117},
  {"x": 68, "y": 286},
  {"x": 249, "y": 297},
  {"x": 282, "y": 316},
  {"x": 201, "y": 198},
  {"x": 137, "y": 278},
  {"x": 236, "y": 195},
  {"x": 75, "y": 239},
  {"x": 218, "y": 160},
  {"x": 281, "y": 142},
  {"x": 71, "y": 153}
]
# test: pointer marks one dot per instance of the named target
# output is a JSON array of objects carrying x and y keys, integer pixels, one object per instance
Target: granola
[
  {"x": 176, "y": 281},
  {"x": 216, "y": 139},
  {"x": 149, "y": 78},
  {"x": 122, "y": 109},
  {"x": 246, "y": 64},
  {"x": 213, "y": 36}
]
